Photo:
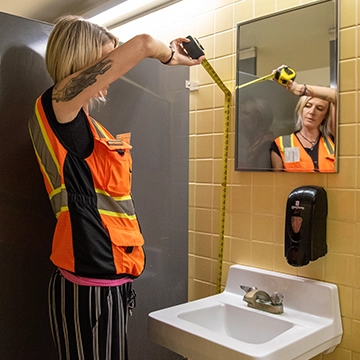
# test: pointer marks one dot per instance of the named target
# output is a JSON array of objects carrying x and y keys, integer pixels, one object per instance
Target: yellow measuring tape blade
[
  {"x": 227, "y": 104},
  {"x": 266, "y": 77}
]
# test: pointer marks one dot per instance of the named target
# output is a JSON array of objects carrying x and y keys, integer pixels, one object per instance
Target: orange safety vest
[
  {"x": 326, "y": 154},
  {"x": 97, "y": 233}
]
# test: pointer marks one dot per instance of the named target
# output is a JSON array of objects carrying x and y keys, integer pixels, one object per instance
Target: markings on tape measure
[{"x": 227, "y": 104}]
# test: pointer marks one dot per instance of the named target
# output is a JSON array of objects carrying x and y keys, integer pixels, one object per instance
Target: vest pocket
[
  {"x": 125, "y": 237},
  {"x": 111, "y": 169},
  {"x": 128, "y": 253}
]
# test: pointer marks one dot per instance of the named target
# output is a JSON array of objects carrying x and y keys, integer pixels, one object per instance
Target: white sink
[
  {"x": 224, "y": 327},
  {"x": 224, "y": 319}
]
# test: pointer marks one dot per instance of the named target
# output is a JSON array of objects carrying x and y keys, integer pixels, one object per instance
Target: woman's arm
[
  {"x": 75, "y": 91},
  {"x": 276, "y": 162},
  {"x": 321, "y": 92}
]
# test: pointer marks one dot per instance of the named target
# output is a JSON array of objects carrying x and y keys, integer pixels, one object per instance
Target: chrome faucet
[{"x": 261, "y": 300}]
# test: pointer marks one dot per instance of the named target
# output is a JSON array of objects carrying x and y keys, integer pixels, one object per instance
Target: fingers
[
  {"x": 289, "y": 85},
  {"x": 180, "y": 40},
  {"x": 177, "y": 46},
  {"x": 197, "y": 61},
  {"x": 279, "y": 68}
]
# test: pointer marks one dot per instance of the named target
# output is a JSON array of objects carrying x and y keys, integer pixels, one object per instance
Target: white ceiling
[{"x": 48, "y": 10}]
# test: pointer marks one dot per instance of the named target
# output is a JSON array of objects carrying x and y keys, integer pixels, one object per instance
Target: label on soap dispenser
[{"x": 297, "y": 206}]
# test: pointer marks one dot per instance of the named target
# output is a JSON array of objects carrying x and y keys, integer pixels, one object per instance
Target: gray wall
[
  {"x": 26, "y": 221},
  {"x": 152, "y": 103}
]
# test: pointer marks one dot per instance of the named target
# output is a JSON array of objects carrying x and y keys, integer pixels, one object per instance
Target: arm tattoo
[
  {"x": 324, "y": 97},
  {"x": 78, "y": 83}
]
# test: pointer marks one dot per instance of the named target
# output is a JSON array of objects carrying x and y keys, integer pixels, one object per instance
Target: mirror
[{"x": 305, "y": 38}]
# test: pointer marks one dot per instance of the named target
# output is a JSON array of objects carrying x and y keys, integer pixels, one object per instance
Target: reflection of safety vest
[
  {"x": 97, "y": 233},
  {"x": 326, "y": 154}
]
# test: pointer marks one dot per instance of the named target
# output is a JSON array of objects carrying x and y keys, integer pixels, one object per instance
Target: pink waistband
[{"x": 84, "y": 281}]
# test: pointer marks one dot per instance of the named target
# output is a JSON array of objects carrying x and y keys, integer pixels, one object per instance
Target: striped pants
[{"x": 89, "y": 322}]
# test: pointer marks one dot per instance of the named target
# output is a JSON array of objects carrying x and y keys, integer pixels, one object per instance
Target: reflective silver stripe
[
  {"x": 286, "y": 141},
  {"x": 119, "y": 207},
  {"x": 98, "y": 129},
  {"x": 59, "y": 200},
  {"x": 122, "y": 206},
  {"x": 329, "y": 146},
  {"x": 44, "y": 150}
]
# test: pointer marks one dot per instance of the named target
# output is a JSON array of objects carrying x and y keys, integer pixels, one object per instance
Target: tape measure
[{"x": 195, "y": 50}]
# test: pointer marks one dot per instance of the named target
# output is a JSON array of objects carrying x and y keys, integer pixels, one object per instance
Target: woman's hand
[
  {"x": 293, "y": 87},
  {"x": 321, "y": 92},
  {"x": 180, "y": 57}
]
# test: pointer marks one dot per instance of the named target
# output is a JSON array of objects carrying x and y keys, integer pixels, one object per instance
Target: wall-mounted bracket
[{"x": 192, "y": 85}]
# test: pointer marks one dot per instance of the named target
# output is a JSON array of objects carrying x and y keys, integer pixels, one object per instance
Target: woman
[
  {"x": 311, "y": 147},
  {"x": 97, "y": 244}
]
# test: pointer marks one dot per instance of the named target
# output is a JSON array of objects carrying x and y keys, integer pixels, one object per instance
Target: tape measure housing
[
  {"x": 284, "y": 75},
  {"x": 193, "y": 48}
]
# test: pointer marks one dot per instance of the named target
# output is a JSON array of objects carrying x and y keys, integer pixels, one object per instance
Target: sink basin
[
  {"x": 226, "y": 319},
  {"x": 224, "y": 327}
]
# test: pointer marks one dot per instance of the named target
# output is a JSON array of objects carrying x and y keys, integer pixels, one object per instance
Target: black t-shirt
[{"x": 76, "y": 135}]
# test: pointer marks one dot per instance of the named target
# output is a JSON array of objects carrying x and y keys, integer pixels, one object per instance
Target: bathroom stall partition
[{"x": 151, "y": 102}]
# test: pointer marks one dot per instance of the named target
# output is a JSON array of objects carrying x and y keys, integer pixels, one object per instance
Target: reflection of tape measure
[
  {"x": 266, "y": 77},
  {"x": 195, "y": 50},
  {"x": 282, "y": 75}
]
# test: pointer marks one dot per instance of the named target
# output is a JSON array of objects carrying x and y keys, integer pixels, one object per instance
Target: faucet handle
[
  {"x": 277, "y": 298},
  {"x": 248, "y": 288}
]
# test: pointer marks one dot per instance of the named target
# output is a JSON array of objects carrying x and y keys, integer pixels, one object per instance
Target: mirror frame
[{"x": 333, "y": 76}]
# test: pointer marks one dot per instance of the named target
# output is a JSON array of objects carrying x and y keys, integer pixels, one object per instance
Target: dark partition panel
[
  {"x": 152, "y": 103},
  {"x": 26, "y": 221}
]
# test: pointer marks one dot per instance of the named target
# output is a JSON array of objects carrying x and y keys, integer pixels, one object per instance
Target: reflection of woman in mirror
[
  {"x": 310, "y": 148},
  {"x": 256, "y": 119}
]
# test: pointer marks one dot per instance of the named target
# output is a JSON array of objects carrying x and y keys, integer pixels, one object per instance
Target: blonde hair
[
  {"x": 74, "y": 44},
  {"x": 325, "y": 126}
]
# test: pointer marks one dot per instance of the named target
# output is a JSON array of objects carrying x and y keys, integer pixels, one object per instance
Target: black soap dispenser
[{"x": 305, "y": 225}]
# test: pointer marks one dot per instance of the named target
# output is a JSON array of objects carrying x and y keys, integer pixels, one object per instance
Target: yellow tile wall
[{"x": 256, "y": 201}]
